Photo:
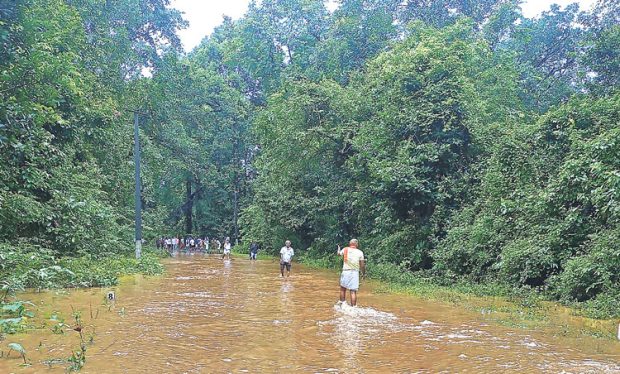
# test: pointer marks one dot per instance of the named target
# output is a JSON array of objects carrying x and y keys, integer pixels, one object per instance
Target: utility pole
[
  {"x": 236, "y": 211},
  {"x": 136, "y": 159}
]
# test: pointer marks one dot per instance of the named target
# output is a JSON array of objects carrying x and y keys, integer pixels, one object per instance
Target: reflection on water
[{"x": 206, "y": 315}]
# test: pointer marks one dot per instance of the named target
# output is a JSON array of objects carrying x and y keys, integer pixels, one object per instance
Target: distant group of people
[{"x": 195, "y": 244}]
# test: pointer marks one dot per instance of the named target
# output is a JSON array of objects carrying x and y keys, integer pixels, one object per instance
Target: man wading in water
[
  {"x": 227, "y": 248},
  {"x": 253, "y": 250},
  {"x": 353, "y": 263},
  {"x": 286, "y": 256}
]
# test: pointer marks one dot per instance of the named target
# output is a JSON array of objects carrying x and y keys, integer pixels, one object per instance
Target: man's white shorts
[{"x": 350, "y": 279}]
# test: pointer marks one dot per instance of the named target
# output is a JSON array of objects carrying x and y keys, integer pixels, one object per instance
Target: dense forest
[{"x": 460, "y": 141}]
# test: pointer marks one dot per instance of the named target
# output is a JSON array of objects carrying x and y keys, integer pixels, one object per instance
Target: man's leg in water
[
  {"x": 281, "y": 269},
  {"x": 343, "y": 294},
  {"x": 353, "y": 298}
]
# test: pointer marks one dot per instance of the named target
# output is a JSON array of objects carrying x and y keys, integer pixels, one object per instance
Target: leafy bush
[
  {"x": 592, "y": 274},
  {"x": 34, "y": 267},
  {"x": 392, "y": 273},
  {"x": 13, "y": 316},
  {"x": 526, "y": 261},
  {"x": 470, "y": 248}
]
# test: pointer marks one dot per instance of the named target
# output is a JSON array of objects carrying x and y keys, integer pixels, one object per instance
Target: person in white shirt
[
  {"x": 227, "y": 248},
  {"x": 286, "y": 257},
  {"x": 353, "y": 263}
]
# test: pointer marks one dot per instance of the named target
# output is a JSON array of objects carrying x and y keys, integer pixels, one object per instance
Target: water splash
[{"x": 364, "y": 312}]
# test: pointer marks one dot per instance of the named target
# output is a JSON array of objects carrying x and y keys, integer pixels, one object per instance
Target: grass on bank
[{"x": 20, "y": 270}]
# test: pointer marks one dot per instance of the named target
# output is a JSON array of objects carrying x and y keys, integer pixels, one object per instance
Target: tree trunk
[
  {"x": 236, "y": 183},
  {"x": 190, "y": 207}
]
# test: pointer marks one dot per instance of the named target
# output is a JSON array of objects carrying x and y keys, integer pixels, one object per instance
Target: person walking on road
[
  {"x": 286, "y": 257},
  {"x": 353, "y": 263},
  {"x": 227, "y": 248},
  {"x": 253, "y": 250}
]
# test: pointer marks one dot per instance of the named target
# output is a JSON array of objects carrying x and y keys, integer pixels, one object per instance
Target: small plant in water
[
  {"x": 77, "y": 359},
  {"x": 58, "y": 328},
  {"x": 19, "y": 349},
  {"x": 91, "y": 337},
  {"x": 77, "y": 316}
]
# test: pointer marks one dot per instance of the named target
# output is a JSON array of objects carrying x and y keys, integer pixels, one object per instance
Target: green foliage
[
  {"x": 547, "y": 50},
  {"x": 66, "y": 70},
  {"x": 547, "y": 212},
  {"x": 194, "y": 154},
  {"x": 376, "y": 158},
  {"x": 14, "y": 316},
  {"x": 357, "y": 31},
  {"x": 603, "y": 57},
  {"x": 105, "y": 272},
  {"x": 593, "y": 273},
  {"x": 392, "y": 273},
  {"x": 34, "y": 267}
]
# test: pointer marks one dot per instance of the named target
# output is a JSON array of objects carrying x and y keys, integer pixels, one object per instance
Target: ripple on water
[
  {"x": 203, "y": 295},
  {"x": 281, "y": 322}
]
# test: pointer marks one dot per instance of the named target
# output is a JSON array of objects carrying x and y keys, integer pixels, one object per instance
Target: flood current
[{"x": 205, "y": 315}]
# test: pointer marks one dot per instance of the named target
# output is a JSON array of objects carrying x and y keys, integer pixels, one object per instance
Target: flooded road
[{"x": 208, "y": 316}]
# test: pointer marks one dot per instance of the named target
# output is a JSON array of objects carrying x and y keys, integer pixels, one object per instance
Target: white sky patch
[
  {"x": 205, "y": 15},
  {"x": 332, "y": 5},
  {"x": 533, "y": 8}
]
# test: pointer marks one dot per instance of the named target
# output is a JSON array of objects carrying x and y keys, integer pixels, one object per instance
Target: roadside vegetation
[{"x": 33, "y": 268}]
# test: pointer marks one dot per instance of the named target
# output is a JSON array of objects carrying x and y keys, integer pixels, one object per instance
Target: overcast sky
[{"x": 205, "y": 15}]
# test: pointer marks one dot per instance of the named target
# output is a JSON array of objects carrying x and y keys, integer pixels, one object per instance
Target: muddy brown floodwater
[{"x": 209, "y": 316}]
